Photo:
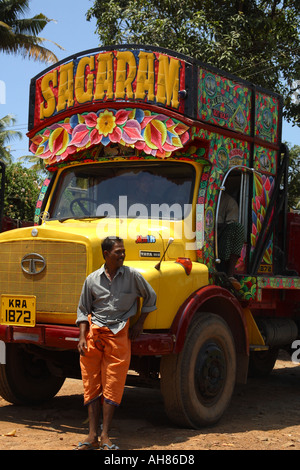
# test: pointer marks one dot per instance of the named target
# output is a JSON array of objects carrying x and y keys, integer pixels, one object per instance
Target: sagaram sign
[{"x": 109, "y": 76}]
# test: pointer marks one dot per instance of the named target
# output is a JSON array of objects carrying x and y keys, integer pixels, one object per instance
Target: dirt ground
[{"x": 264, "y": 415}]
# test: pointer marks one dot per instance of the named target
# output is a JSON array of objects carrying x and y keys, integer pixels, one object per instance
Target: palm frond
[
  {"x": 6, "y": 135},
  {"x": 31, "y": 26},
  {"x": 10, "y": 10},
  {"x": 20, "y": 35}
]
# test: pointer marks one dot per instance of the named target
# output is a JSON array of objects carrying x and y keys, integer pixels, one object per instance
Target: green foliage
[
  {"x": 258, "y": 40},
  {"x": 6, "y": 136},
  {"x": 19, "y": 35},
  {"x": 22, "y": 189},
  {"x": 294, "y": 178}
]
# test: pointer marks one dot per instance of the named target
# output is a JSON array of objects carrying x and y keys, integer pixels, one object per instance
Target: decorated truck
[{"x": 143, "y": 143}]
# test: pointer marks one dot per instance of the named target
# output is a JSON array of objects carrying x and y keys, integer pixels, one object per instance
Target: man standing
[
  {"x": 230, "y": 236},
  {"x": 108, "y": 300}
]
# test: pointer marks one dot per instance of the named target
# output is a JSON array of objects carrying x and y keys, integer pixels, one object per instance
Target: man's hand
[
  {"x": 137, "y": 328},
  {"x": 82, "y": 345},
  {"x": 135, "y": 331}
]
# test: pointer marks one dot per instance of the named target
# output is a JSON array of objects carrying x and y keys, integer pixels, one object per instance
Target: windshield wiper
[{"x": 63, "y": 219}]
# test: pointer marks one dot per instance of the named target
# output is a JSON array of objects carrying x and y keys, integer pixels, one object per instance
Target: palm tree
[
  {"x": 36, "y": 164},
  {"x": 20, "y": 35},
  {"x": 6, "y": 136}
]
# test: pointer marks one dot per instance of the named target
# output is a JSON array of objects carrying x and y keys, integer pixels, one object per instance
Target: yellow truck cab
[{"x": 143, "y": 143}]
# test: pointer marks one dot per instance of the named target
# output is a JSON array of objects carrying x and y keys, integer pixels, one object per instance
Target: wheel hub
[{"x": 210, "y": 372}]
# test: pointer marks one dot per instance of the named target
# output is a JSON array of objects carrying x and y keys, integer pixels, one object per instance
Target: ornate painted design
[
  {"x": 200, "y": 220},
  {"x": 40, "y": 200},
  {"x": 265, "y": 160},
  {"x": 276, "y": 283},
  {"x": 154, "y": 134},
  {"x": 224, "y": 152},
  {"x": 223, "y": 102},
  {"x": 266, "y": 117},
  {"x": 248, "y": 287},
  {"x": 262, "y": 190}
]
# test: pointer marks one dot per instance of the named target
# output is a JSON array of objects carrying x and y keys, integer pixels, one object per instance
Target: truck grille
[{"x": 57, "y": 288}]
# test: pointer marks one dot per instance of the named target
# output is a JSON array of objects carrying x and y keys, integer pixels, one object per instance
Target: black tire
[
  {"x": 261, "y": 363},
  {"x": 26, "y": 379},
  {"x": 197, "y": 384}
]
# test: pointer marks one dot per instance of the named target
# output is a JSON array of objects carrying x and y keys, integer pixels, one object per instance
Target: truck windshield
[{"x": 158, "y": 190}]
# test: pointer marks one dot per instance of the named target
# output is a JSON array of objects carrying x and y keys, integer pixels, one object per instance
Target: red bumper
[{"x": 66, "y": 337}]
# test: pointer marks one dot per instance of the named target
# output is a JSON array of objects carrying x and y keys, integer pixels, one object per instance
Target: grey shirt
[{"x": 111, "y": 303}]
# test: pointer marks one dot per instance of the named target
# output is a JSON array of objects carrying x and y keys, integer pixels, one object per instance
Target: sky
[
  {"x": 75, "y": 34},
  {"x": 70, "y": 30}
]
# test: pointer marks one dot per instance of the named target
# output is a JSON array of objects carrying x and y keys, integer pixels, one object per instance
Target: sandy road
[{"x": 264, "y": 414}]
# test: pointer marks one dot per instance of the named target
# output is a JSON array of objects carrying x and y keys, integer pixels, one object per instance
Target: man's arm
[
  {"x": 149, "y": 305},
  {"x": 137, "y": 328},
  {"x": 83, "y": 330},
  {"x": 83, "y": 310}
]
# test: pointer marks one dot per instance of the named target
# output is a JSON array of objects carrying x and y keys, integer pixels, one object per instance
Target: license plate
[{"x": 18, "y": 310}]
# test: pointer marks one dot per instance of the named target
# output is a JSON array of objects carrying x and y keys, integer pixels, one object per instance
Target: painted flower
[
  {"x": 131, "y": 132},
  {"x": 104, "y": 126},
  {"x": 106, "y": 123},
  {"x": 155, "y": 134},
  {"x": 75, "y": 120},
  {"x": 80, "y": 136},
  {"x": 39, "y": 144},
  {"x": 59, "y": 140}
]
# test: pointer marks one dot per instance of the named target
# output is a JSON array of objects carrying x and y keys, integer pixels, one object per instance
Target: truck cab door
[{"x": 236, "y": 184}]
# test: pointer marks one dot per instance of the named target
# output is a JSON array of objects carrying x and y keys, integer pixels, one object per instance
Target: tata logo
[{"x": 33, "y": 263}]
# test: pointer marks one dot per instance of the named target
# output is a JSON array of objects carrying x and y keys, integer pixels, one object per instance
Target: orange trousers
[{"x": 105, "y": 364}]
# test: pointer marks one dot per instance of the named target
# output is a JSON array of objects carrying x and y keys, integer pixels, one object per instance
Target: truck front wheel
[
  {"x": 197, "y": 384},
  {"x": 25, "y": 378}
]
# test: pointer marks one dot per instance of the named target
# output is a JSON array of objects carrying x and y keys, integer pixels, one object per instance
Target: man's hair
[{"x": 109, "y": 242}]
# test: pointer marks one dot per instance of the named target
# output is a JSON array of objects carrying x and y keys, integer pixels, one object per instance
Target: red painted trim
[
  {"x": 153, "y": 344},
  {"x": 195, "y": 302},
  {"x": 94, "y": 107},
  {"x": 44, "y": 335},
  {"x": 149, "y": 343},
  {"x": 168, "y": 111},
  {"x": 64, "y": 337},
  {"x": 235, "y": 135}
]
